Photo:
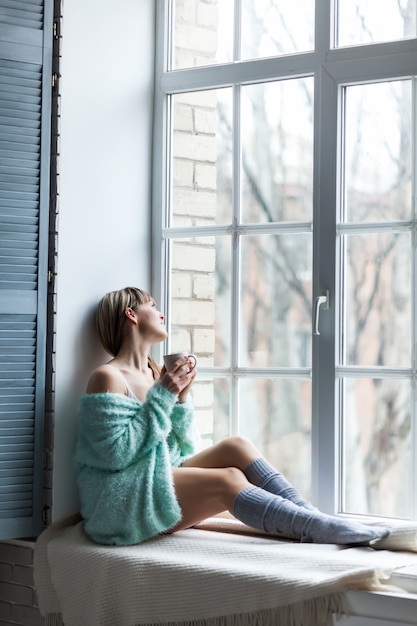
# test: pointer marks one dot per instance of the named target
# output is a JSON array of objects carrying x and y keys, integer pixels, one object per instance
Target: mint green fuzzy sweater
[{"x": 124, "y": 454}]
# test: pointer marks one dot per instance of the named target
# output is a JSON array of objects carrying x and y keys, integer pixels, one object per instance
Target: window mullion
[
  {"x": 326, "y": 178},
  {"x": 237, "y": 30},
  {"x": 235, "y": 279},
  {"x": 160, "y": 275},
  {"x": 414, "y": 304},
  {"x": 323, "y": 26}
]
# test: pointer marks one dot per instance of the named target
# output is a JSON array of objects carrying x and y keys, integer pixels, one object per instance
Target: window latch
[{"x": 322, "y": 301}]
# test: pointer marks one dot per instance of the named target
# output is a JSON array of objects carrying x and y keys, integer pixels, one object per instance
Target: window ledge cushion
[{"x": 211, "y": 575}]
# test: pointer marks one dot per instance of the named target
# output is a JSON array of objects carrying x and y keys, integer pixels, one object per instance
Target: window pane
[
  {"x": 276, "y": 416},
  {"x": 200, "y": 302},
  {"x": 276, "y": 301},
  {"x": 377, "y": 466},
  {"x": 274, "y": 28},
  {"x": 201, "y": 158},
  {"x": 211, "y": 398},
  {"x": 277, "y": 151},
  {"x": 374, "y": 21},
  {"x": 378, "y": 300},
  {"x": 202, "y": 33},
  {"x": 378, "y": 161}
]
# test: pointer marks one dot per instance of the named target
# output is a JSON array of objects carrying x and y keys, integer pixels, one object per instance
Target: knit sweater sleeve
[
  {"x": 115, "y": 431},
  {"x": 182, "y": 440}
]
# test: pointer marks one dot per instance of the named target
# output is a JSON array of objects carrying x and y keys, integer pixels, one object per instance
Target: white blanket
[{"x": 201, "y": 577}]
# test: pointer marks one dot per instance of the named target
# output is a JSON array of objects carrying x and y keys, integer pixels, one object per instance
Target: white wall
[{"x": 104, "y": 192}]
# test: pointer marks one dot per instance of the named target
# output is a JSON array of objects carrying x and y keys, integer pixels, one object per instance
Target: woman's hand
[
  {"x": 183, "y": 395},
  {"x": 178, "y": 379}
]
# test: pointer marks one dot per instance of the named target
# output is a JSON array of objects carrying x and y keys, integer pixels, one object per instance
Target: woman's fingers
[{"x": 178, "y": 376}]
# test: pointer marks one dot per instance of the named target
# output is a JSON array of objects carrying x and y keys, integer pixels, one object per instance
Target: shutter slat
[
  {"x": 24, "y": 509},
  {"x": 12, "y": 232},
  {"x": 16, "y": 171},
  {"x": 36, "y": 7},
  {"x": 24, "y": 403},
  {"x": 22, "y": 13},
  {"x": 10, "y": 426},
  {"x": 20, "y": 132},
  {"x": 16, "y": 280},
  {"x": 17, "y": 368},
  {"x": 6, "y": 324},
  {"x": 19, "y": 479},
  {"x": 25, "y": 187},
  {"x": 23, "y": 254},
  {"x": 16, "y": 162},
  {"x": 8, "y": 100},
  {"x": 21, "y": 417},
  {"x": 28, "y": 86},
  {"x": 22, "y": 116},
  {"x": 30, "y": 125},
  {"x": 19, "y": 150},
  {"x": 25, "y": 118},
  {"x": 5, "y": 351},
  {"x": 13, "y": 75},
  {"x": 10, "y": 183},
  {"x": 19, "y": 18}
]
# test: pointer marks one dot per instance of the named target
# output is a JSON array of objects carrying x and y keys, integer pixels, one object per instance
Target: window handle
[{"x": 320, "y": 301}]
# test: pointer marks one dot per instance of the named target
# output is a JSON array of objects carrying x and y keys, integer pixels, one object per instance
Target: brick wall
[
  {"x": 18, "y": 603},
  {"x": 194, "y": 202}
]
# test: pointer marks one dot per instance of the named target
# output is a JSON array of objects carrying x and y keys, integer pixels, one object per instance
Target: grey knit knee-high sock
[
  {"x": 262, "y": 474},
  {"x": 271, "y": 513}
]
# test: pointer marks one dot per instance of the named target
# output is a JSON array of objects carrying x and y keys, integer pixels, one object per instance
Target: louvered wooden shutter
[{"x": 25, "y": 111}]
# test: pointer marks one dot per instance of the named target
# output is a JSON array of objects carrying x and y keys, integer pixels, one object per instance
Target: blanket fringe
[
  {"x": 54, "y": 619},
  {"x": 313, "y": 612}
]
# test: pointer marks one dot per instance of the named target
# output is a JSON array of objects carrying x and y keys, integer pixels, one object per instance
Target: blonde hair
[{"x": 111, "y": 319}]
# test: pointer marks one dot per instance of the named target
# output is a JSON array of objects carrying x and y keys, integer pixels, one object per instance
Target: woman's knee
[
  {"x": 233, "y": 479},
  {"x": 237, "y": 444}
]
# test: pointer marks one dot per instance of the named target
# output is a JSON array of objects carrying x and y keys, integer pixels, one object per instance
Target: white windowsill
[
  {"x": 406, "y": 579},
  {"x": 389, "y": 607},
  {"x": 396, "y": 607}
]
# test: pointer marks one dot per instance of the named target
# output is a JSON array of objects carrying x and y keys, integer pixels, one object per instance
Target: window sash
[{"x": 332, "y": 69}]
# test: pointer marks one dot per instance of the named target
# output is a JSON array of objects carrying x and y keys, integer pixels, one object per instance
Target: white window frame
[{"x": 332, "y": 69}]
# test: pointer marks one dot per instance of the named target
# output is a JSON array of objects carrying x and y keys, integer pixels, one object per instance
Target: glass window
[
  {"x": 271, "y": 28},
  {"x": 199, "y": 313},
  {"x": 201, "y": 158},
  {"x": 378, "y": 157},
  {"x": 286, "y": 171},
  {"x": 275, "y": 300},
  {"x": 212, "y": 402},
  {"x": 209, "y": 32},
  {"x": 377, "y": 460},
  {"x": 378, "y": 299},
  {"x": 202, "y": 33},
  {"x": 360, "y": 22},
  {"x": 286, "y": 439},
  {"x": 277, "y": 151}
]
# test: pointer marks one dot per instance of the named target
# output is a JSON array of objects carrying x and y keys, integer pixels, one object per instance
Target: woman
[{"x": 138, "y": 473}]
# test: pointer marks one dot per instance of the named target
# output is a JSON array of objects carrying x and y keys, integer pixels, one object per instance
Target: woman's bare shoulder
[{"x": 106, "y": 379}]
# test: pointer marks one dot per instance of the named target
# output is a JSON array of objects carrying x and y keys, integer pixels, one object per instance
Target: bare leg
[
  {"x": 231, "y": 452},
  {"x": 241, "y": 453},
  {"x": 204, "y": 492}
]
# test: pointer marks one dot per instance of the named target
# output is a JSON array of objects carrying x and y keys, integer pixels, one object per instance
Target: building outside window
[{"x": 284, "y": 234}]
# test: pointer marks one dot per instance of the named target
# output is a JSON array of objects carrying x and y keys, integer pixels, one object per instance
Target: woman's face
[{"x": 151, "y": 322}]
